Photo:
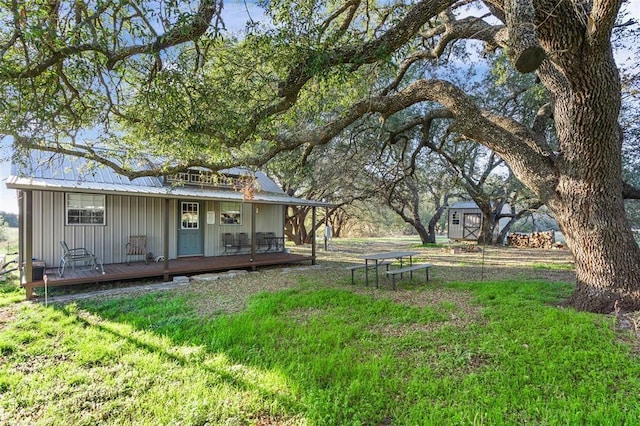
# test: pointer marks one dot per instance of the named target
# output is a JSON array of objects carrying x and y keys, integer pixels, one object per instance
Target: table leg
[
  {"x": 366, "y": 271},
  {"x": 411, "y": 264},
  {"x": 376, "y": 273}
]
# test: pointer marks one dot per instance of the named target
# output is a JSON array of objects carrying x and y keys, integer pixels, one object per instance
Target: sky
[{"x": 235, "y": 16}]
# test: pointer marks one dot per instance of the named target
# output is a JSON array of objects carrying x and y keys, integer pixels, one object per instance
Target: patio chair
[
  {"x": 261, "y": 242},
  {"x": 77, "y": 257},
  {"x": 229, "y": 242},
  {"x": 275, "y": 243},
  {"x": 137, "y": 246},
  {"x": 8, "y": 265},
  {"x": 243, "y": 241}
]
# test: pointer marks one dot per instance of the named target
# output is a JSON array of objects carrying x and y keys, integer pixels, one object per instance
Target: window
[
  {"x": 190, "y": 216},
  {"x": 85, "y": 209},
  {"x": 230, "y": 214},
  {"x": 455, "y": 219}
]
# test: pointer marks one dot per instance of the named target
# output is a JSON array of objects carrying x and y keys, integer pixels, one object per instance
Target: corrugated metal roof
[
  {"x": 73, "y": 174},
  {"x": 464, "y": 205}
]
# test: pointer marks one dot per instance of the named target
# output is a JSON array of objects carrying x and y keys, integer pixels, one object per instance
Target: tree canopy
[{"x": 134, "y": 84}]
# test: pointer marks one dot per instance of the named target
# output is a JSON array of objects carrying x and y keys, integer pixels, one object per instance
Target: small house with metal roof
[{"x": 204, "y": 217}]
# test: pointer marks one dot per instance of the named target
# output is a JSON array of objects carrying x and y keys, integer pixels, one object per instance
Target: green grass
[
  {"x": 554, "y": 266},
  {"x": 316, "y": 355}
]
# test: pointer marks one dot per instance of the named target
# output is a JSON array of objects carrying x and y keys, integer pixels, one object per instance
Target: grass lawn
[{"x": 305, "y": 347}]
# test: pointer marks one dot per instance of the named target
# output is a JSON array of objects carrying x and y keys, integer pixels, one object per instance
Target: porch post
[
  {"x": 21, "y": 229},
  {"x": 165, "y": 239},
  {"x": 253, "y": 232},
  {"x": 313, "y": 235},
  {"x": 28, "y": 238}
]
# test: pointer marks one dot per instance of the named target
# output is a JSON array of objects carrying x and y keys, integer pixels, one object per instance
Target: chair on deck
[
  {"x": 261, "y": 242},
  {"x": 229, "y": 242},
  {"x": 137, "y": 246},
  {"x": 275, "y": 243},
  {"x": 77, "y": 257},
  {"x": 243, "y": 241}
]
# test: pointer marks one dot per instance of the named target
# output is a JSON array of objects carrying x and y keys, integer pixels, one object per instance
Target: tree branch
[{"x": 630, "y": 192}]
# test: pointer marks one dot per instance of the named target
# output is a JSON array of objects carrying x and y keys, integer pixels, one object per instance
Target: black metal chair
[
  {"x": 243, "y": 242},
  {"x": 229, "y": 243},
  {"x": 261, "y": 242},
  {"x": 275, "y": 243}
]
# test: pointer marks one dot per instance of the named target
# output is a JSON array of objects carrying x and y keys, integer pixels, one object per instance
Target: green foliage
[{"x": 9, "y": 219}]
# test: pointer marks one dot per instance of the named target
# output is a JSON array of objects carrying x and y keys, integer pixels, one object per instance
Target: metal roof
[
  {"x": 72, "y": 174},
  {"x": 464, "y": 205}
]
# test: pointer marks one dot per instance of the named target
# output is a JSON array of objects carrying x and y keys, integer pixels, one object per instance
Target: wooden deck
[{"x": 180, "y": 266}]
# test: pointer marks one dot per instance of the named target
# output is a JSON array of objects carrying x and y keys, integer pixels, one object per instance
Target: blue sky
[{"x": 235, "y": 17}]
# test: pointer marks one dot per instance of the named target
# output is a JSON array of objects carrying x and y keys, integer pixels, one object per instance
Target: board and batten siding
[
  {"x": 455, "y": 231},
  {"x": 124, "y": 216},
  {"x": 133, "y": 215},
  {"x": 269, "y": 218}
]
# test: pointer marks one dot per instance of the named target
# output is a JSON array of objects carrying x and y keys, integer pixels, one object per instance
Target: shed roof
[
  {"x": 464, "y": 205},
  {"x": 72, "y": 174}
]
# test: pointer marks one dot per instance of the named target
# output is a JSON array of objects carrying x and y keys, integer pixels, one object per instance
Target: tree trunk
[
  {"x": 422, "y": 231},
  {"x": 295, "y": 228},
  {"x": 587, "y": 200}
]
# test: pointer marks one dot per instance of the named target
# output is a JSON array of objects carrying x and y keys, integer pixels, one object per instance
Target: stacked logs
[{"x": 544, "y": 240}]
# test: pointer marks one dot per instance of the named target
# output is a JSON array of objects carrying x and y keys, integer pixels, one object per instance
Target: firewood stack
[{"x": 544, "y": 240}]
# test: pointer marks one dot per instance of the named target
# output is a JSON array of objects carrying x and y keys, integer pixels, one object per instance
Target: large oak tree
[{"x": 164, "y": 79}]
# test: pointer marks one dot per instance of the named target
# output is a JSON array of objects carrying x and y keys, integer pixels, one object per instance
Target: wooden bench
[
  {"x": 354, "y": 268},
  {"x": 410, "y": 269}
]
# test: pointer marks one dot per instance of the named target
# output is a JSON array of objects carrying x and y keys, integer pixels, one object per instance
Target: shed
[{"x": 465, "y": 220}]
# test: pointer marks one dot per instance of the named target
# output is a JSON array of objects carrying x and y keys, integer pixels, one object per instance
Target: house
[
  {"x": 196, "y": 214},
  {"x": 465, "y": 220}
]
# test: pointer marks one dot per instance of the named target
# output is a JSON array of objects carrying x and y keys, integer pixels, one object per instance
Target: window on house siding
[
  {"x": 230, "y": 214},
  {"x": 455, "y": 219},
  {"x": 85, "y": 209}
]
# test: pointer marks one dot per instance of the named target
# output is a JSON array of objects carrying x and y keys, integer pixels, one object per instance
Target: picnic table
[{"x": 381, "y": 257}]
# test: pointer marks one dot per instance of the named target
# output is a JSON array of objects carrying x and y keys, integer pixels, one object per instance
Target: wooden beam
[
  {"x": 165, "y": 239},
  {"x": 28, "y": 252},
  {"x": 253, "y": 232},
  {"x": 313, "y": 234}
]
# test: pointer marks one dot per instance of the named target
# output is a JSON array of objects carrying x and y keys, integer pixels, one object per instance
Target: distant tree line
[{"x": 11, "y": 219}]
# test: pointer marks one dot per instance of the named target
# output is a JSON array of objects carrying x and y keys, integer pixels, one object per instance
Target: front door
[
  {"x": 471, "y": 229},
  {"x": 190, "y": 232}
]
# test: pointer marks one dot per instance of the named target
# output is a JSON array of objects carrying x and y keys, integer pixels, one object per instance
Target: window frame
[
  {"x": 230, "y": 210},
  {"x": 455, "y": 218},
  {"x": 194, "y": 214},
  {"x": 86, "y": 210}
]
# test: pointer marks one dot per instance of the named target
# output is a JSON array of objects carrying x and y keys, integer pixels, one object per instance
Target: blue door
[{"x": 190, "y": 232}]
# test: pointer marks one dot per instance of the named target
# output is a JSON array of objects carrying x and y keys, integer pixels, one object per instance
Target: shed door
[
  {"x": 471, "y": 230},
  {"x": 190, "y": 232}
]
